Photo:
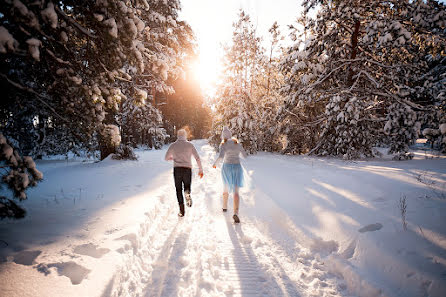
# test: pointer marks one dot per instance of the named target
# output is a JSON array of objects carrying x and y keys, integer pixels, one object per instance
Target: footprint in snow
[
  {"x": 111, "y": 231},
  {"x": 26, "y": 257},
  {"x": 91, "y": 250},
  {"x": 371, "y": 228},
  {"x": 75, "y": 272},
  {"x": 131, "y": 237}
]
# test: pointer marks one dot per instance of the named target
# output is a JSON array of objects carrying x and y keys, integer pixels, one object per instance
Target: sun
[{"x": 206, "y": 70}]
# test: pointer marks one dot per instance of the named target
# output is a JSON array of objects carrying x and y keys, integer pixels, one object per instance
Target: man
[{"x": 181, "y": 152}]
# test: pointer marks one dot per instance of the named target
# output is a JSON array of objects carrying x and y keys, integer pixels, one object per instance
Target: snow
[
  {"x": 7, "y": 150},
  {"x": 146, "y": 4},
  {"x": 99, "y": 17},
  {"x": 113, "y": 28},
  {"x": 76, "y": 79},
  {"x": 141, "y": 95},
  {"x": 443, "y": 128},
  {"x": 63, "y": 36},
  {"x": 139, "y": 23},
  {"x": 20, "y": 7},
  {"x": 33, "y": 47},
  {"x": 7, "y": 42},
  {"x": 112, "y": 134},
  {"x": 31, "y": 165},
  {"x": 310, "y": 226},
  {"x": 49, "y": 15},
  {"x": 133, "y": 30}
]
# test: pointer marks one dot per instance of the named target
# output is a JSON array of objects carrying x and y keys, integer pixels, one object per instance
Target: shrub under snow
[{"x": 20, "y": 174}]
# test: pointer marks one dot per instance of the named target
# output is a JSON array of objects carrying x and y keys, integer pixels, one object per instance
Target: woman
[{"x": 232, "y": 171}]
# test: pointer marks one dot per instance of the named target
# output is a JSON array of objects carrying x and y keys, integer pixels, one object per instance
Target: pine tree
[
  {"x": 235, "y": 100},
  {"x": 19, "y": 173},
  {"x": 142, "y": 124},
  {"x": 355, "y": 73},
  {"x": 267, "y": 93},
  {"x": 68, "y": 66}
]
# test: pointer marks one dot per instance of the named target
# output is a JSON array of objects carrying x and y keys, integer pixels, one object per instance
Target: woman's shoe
[
  {"x": 224, "y": 210},
  {"x": 236, "y": 219}
]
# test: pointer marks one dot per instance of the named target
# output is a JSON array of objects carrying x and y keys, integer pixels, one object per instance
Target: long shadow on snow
[
  {"x": 164, "y": 279},
  {"x": 338, "y": 186}
]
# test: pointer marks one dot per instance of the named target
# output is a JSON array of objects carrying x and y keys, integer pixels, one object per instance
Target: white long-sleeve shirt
[
  {"x": 230, "y": 153},
  {"x": 181, "y": 152}
]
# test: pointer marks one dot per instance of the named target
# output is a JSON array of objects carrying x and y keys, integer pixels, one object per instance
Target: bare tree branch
[
  {"x": 74, "y": 23},
  {"x": 56, "y": 58}
]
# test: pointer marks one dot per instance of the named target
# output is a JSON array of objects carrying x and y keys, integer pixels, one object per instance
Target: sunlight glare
[{"x": 206, "y": 70}]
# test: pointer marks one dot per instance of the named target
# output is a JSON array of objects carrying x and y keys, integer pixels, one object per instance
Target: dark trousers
[{"x": 182, "y": 176}]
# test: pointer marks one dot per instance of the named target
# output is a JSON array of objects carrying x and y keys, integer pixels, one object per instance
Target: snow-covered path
[
  {"x": 206, "y": 254},
  {"x": 309, "y": 227}
]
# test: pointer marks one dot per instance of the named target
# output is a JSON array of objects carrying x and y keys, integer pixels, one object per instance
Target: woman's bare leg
[
  {"x": 236, "y": 200},
  {"x": 225, "y": 197}
]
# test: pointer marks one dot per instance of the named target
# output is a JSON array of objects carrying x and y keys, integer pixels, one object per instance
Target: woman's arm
[{"x": 221, "y": 155}]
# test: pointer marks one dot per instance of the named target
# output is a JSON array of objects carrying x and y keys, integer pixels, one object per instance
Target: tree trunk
[
  {"x": 106, "y": 149},
  {"x": 354, "y": 45}
]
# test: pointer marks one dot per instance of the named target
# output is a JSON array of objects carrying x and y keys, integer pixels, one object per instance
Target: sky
[{"x": 212, "y": 21}]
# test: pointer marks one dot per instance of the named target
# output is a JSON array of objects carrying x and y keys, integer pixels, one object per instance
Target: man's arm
[{"x": 169, "y": 153}]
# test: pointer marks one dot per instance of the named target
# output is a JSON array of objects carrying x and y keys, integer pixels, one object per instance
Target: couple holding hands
[{"x": 181, "y": 152}]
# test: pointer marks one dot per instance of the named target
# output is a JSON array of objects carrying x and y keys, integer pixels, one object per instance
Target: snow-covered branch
[{"x": 38, "y": 96}]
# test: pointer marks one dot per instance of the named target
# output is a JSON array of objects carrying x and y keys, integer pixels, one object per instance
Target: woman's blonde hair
[{"x": 232, "y": 138}]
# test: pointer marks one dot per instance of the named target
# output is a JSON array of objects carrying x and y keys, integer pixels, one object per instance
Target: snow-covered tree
[
  {"x": 142, "y": 124},
  {"x": 235, "y": 100},
  {"x": 18, "y": 174},
  {"x": 67, "y": 66},
  {"x": 356, "y": 71},
  {"x": 299, "y": 119},
  {"x": 267, "y": 93}
]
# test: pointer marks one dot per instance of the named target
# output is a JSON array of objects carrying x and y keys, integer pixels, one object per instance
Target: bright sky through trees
[{"x": 212, "y": 24}]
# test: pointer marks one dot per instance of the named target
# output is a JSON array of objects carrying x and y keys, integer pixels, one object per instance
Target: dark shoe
[
  {"x": 181, "y": 213},
  {"x": 225, "y": 210},
  {"x": 236, "y": 219},
  {"x": 188, "y": 200}
]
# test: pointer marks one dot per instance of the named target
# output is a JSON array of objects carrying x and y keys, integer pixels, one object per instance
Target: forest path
[{"x": 206, "y": 254}]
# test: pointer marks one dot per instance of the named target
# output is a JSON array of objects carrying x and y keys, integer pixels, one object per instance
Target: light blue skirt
[{"x": 232, "y": 175}]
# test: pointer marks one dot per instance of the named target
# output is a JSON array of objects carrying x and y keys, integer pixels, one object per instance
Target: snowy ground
[{"x": 310, "y": 227}]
